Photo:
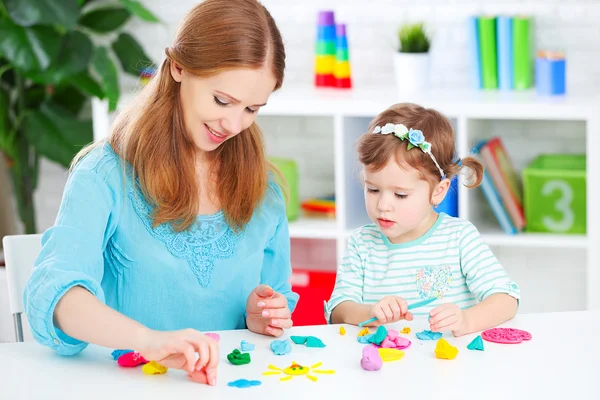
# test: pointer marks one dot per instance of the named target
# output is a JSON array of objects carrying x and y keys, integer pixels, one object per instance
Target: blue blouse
[{"x": 103, "y": 240}]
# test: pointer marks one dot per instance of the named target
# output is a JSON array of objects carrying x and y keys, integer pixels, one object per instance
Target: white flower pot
[{"x": 411, "y": 71}]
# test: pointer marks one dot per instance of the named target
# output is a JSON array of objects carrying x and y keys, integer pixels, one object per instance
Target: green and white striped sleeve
[
  {"x": 483, "y": 273},
  {"x": 349, "y": 279}
]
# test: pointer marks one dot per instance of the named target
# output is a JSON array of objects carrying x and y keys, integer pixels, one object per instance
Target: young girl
[
  {"x": 410, "y": 253},
  {"x": 176, "y": 226}
]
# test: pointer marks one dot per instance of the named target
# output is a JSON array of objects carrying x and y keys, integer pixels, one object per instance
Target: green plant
[
  {"x": 51, "y": 65},
  {"x": 413, "y": 39}
]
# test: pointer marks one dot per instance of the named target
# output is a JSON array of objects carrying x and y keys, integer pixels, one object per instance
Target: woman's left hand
[
  {"x": 448, "y": 317},
  {"x": 267, "y": 312}
]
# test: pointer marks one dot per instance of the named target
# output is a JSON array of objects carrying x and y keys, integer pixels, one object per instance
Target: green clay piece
[
  {"x": 476, "y": 344},
  {"x": 236, "y": 357},
  {"x": 312, "y": 341},
  {"x": 299, "y": 339},
  {"x": 379, "y": 335}
]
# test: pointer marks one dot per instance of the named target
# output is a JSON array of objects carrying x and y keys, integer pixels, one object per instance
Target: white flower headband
[{"x": 415, "y": 139}]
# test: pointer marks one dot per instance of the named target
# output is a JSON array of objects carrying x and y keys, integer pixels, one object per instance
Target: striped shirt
[{"x": 450, "y": 262}]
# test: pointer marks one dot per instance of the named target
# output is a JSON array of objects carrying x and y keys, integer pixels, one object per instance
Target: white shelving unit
[{"x": 471, "y": 113}]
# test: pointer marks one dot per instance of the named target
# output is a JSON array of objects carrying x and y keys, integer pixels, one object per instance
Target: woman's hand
[
  {"x": 186, "y": 349},
  {"x": 267, "y": 312}
]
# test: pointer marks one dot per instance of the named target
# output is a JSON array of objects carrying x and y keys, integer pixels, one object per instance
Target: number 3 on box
[{"x": 562, "y": 205}]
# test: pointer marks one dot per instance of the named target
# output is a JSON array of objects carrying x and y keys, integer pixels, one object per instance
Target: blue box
[
  {"x": 450, "y": 203},
  {"x": 550, "y": 75}
]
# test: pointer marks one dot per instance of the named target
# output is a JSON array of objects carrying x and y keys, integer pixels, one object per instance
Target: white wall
[{"x": 371, "y": 34}]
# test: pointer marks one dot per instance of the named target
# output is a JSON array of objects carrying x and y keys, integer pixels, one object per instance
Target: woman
[{"x": 176, "y": 225}]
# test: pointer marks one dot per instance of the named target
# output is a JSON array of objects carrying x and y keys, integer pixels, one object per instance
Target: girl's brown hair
[
  {"x": 375, "y": 150},
  {"x": 215, "y": 36}
]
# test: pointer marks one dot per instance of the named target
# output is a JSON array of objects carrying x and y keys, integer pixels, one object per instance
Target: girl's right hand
[
  {"x": 391, "y": 309},
  {"x": 177, "y": 349}
]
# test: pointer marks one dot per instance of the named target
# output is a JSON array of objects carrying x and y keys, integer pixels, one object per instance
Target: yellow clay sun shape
[{"x": 296, "y": 369}]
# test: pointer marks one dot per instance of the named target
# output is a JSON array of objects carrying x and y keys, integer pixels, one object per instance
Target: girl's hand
[
  {"x": 177, "y": 349},
  {"x": 391, "y": 309},
  {"x": 267, "y": 312},
  {"x": 448, "y": 317}
]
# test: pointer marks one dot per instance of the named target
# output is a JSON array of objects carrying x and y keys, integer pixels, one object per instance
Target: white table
[{"x": 560, "y": 362}]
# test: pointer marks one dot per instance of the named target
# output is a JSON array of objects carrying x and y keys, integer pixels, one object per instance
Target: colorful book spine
[
  {"x": 505, "y": 179},
  {"x": 505, "y": 53},
  {"x": 473, "y": 40},
  {"x": 487, "y": 49},
  {"x": 493, "y": 197},
  {"x": 325, "y": 49},
  {"x": 341, "y": 70},
  {"x": 522, "y": 53}
]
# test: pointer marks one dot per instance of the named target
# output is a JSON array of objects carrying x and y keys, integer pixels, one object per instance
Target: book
[
  {"x": 493, "y": 198},
  {"x": 505, "y": 179}
]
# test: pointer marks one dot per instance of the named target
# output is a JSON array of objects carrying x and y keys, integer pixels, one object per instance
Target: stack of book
[
  {"x": 501, "y": 52},
  {"x": 501, "y": 185}
]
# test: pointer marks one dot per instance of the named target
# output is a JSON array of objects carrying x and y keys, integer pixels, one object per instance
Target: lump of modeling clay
[
  {"x": 405, "y": 331},
  {"x": 388, "y": 355},
  {"x": 154, "y": 368},
  {"x": 131, "y": 360},
  {"x": 118, "y": 353},
  {"x": 445, "y": 350},
  {"x": 236, "y": 357},
  {"x": 309, "y": 341},
  {"x": 505, "y": 335},
  {"x": 244, "y": 383},
  {"x": 371, "y": 360},
  {"x": 429, "y": 335},
  {"x": 342, "y": 330},
  {"x": 213, "y": 335},
  {"x": 199, "y": 376},
  {"x": 312, "y": 341},
  {"x": 476, "y": 344},
  {"x": 392, "y": 334},
  {"x": 281, "y": 347},
  {"x": 363, "y": 332},
  {"x": 402, "y": 343},
  {"x": 364, "y": 339},
  {"x": 245, "y": 346},
  {"x": 379, "y": 336}
]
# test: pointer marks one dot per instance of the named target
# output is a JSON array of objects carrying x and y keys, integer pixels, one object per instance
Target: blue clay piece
[
  {"x": 281, "y": 347},
  {"x": 476, "y": 344},
  {"x": 118, "y": 353},
  {"x": 365, "y": 339},
  {"x": 245, "y": 346},
  {"x": 313, "y": 341},
  {"x": 379, "y": 335},
  {"x": 244, "y": 383},
  {"x": 429, "y": 335}
]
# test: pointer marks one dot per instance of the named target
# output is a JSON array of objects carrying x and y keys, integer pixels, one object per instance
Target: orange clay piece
[
  {"x": 154, "y": 368},
  {"x": 445, "y": 350},
  {"x": 405, "y": 331},
  {"x": 364, "y": 332},
  {"x": 342, "y": 330}
]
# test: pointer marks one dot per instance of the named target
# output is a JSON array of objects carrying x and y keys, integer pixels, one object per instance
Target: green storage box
[
  {"x": 289, "y": 170},
  {"x": 554, "y": 191}
]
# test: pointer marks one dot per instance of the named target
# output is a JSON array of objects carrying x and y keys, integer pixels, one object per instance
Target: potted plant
[
  {"x": 51, "y": 65},
  {"x": 411, "y": 61}
]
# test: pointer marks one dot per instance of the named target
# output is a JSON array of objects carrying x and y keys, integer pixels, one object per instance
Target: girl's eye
[
  {"x": 370, "y": 190},
  {"x": 251, "y": 111},
  {"x": 401, "y": 196}
]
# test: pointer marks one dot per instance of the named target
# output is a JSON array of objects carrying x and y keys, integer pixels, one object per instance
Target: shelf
[
  {"x": 368, "y": 101},
  {"x": 313, "y": 228},
  {"x": 539, "y": 240}
]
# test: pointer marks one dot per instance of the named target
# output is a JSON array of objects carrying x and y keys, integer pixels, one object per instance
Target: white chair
[{"x": 20, "y": 253}]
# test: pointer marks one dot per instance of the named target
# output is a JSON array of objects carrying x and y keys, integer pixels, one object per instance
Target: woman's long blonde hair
[{"x": 215, "y": 36}]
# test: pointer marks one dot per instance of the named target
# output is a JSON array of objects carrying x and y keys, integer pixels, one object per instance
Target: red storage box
[{"x": 314, "y": 287}]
